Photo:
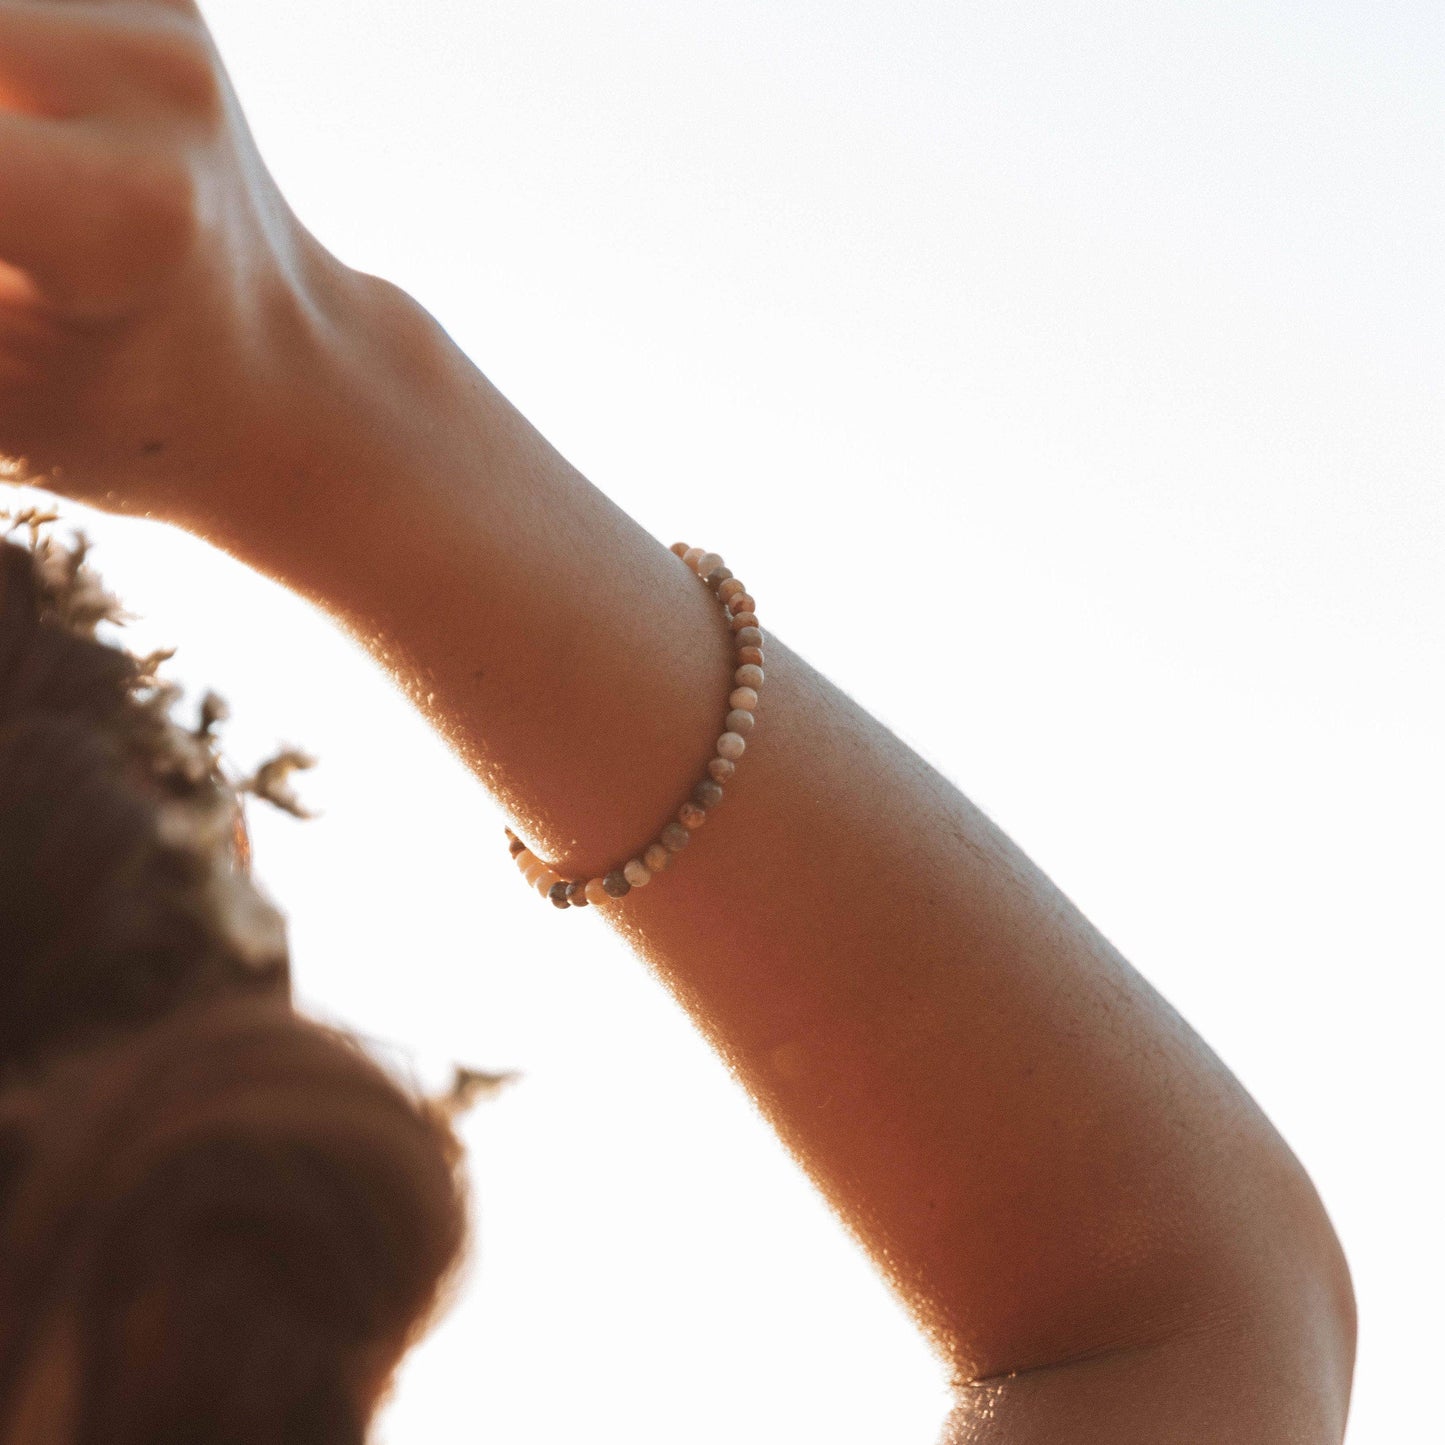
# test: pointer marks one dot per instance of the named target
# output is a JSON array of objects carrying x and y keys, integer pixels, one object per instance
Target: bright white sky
[{"x": 1066, "y": 379}]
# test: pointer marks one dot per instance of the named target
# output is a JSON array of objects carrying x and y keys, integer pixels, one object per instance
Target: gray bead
[
  {"x": 707, "y": 794},
  {"x": 617, "y": 885},
  {"x": 717, "y": 577},
  {"x": 674, "y": 837},
  {"x": 558, "y": 893}
]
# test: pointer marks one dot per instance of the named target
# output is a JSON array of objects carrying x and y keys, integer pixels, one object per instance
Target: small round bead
[
  {"x": 741, "y": 602},
  {"x": 717, "y": 577},
  {"x": 721, "y": 769},
  {"x": 577, "y": 893},
  {"x": 707, "y": 794},
  {"x": 740, "y": 721},
  {"x": 731, "y": 746},
  {"x": 596, "y": 893},
  {"x": 745, "y": 698},
  {"x": 751, "y": 654},
  {"x": 691, "y": 556},
  {"x": 516, "y": 846},
  {"x": 558, "y": 892},
  {"x": 706, "y": 563},
  {"x": 545, "y": 882},
  {"x": 680, "y": 548},
  {"x": 637, "y": 873},
  {"x": 743, "y": 619},
  {"x": 533, "y": 869},
  {"x": 749, "y": 675},
  {"x": 748, "y": 637},
  {"x": 691, "y": 816},
  {"x": 674, "y": 837},
  {"x": 656, "y": 857},
  {"x": 730, "y": 589},
  {"x": 616, "y": 884}
]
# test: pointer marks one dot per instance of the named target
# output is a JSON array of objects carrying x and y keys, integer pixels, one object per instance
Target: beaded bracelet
[{"x": 742, "y": 617}]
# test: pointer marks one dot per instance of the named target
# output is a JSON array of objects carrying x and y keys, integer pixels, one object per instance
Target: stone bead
[
  {"x": 745, "y": 698},
  {"x": 743, "y": 619},
  {"x": 748, "y": 637},
  {"x": 637, "y": 873},
  {"x": 656, "y": 857},
  {"x": 740, "y": 721},
  {"x": 730, "y": 589},
  {"x": 721, "y": 769},
  {"x": 717, "y": 577},
  {"x": 596, "y": 893},
  {"x": 741, "y": 602},
  {"x": 691, "y": 816},
  {"x": 751, "y": 654},
  {"x": 516, "y": 846},
  {"x": 749, "y": 675},
  {"x": 706, "y": 563},
  {"x": 616, "y": 884},
  {"x": 533, "y": 868},
  {"x": 577, "y": 893},
  {"x": 674, "y": 837},
  {"x": 731, "y": 746},
  {"x": 691, "y": 556},
  {"x": 558, "y": 892},
  {"x": 680, "y": 548},
  {"x": 545, "y": 882},
  {"x": 707, "y": 794}
]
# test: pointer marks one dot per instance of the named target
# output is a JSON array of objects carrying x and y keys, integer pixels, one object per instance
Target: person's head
[
  {"x": 120, "y": 892},
  {"x": 218, "y": 1221},
  {"x": 226, "y": 1227}
]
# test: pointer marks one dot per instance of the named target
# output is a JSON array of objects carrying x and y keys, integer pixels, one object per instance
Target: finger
[
  {"x": 68, "y": 59},
  {"x": 85, "y": 220}
]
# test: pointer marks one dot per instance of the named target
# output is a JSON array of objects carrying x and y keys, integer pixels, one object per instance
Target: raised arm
[{"x": 1103, "y": 1237}]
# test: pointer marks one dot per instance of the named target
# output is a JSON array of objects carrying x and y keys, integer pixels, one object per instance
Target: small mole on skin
[{"x": 149, "y": 449}]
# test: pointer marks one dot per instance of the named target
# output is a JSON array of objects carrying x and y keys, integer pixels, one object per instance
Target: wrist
[{"x": 370, "y": 404}]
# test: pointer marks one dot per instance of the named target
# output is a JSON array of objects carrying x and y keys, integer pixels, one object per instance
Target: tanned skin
[{"x": 1095, "y": 1226}]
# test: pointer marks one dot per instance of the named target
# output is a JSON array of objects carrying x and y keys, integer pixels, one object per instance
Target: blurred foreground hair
[{"x": 219, "y": 1222}]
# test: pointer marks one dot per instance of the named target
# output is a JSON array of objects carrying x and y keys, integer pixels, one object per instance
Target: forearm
[{"x": 1040, "y": 1155}]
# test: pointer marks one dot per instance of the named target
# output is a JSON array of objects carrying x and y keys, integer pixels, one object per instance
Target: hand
[{"x": 159, "y": 302}]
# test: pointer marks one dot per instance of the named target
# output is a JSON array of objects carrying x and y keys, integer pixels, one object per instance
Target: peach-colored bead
[
  {"x": 731, "y": 746},
  {"x": 706, "y": 563},
  {"x": 596, "y": 893},
  {"x": 741, "y": 602},
  {"x": 680, "y": 548},
  {"x": 745, "y": 698},
  {"x": 748, "y": 637},
  {"x": 545, "y": 880},
  {"x": 534, "y": 869},
  {"x": 733, "y": 587},
  {"x": 751, "y": 654},
  {"x": 637, "y": 872},
  {"x": 656, "y": 857},
  {"x": 739, "y": 721},
  {"x": 743, "y": 619},
  {"x": 691, "y": 556},
  {"x": 749, "y": 675},
  {"x": 691, "y": 816},
  {"x": 721, "y": 769}
]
